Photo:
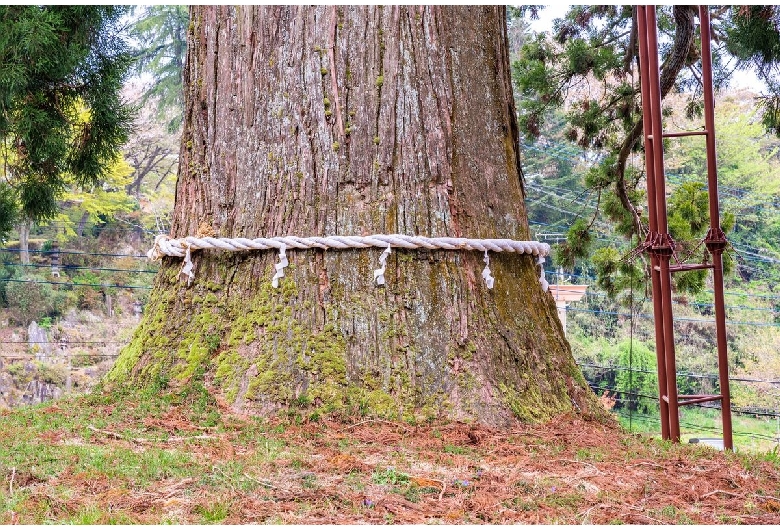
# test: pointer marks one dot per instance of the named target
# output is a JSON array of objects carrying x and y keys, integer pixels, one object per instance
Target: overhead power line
[
  {"x": 737, "y": 410},
  {"x": 692, "y": 426},
  {"x": 66, "y": 266},
  {"x": 677, "y": 319},
  {"x": 64, "y": 342},
  {"x": 76, "y": 284},
  {"x": 30, "y": 356},
  {"x": 730, "y": 293},
  {"x": 679, "y": 374},
  {"x": 76, "y": 253}
]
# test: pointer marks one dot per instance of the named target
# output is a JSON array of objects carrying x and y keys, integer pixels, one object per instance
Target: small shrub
[
  {"x": 16, "y": 370},
  {"x": 89, "y": 298},
  {"x": 54, "y": 375},
  {"x": 81, "y": 358},
  {"x": 30, "y": 300},
  {"x": 87, "y": 294}
]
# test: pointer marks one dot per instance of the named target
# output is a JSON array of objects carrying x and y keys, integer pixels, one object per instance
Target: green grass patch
[
  {"x": 126, "y": 470},
  {"x": 214, "y": 512},
  {"x": 455, "y": 449},
  {"x": 389, "y": 476},
  {"x": 750, "y": 433}
]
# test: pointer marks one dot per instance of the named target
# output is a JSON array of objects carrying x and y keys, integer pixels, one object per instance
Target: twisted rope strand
[
  {"x": 181, "y": 248},
  {"x": 165, "y": 246}
]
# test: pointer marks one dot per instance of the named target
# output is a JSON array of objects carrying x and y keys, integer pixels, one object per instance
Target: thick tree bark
[{"x": 351, "y": 121}]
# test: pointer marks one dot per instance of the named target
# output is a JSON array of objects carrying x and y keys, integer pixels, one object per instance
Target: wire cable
[
  {"x": 676, "y": 319},
  {"x": 75, "y": 253},
  {"x": 75, "y": 267},
  {"x": 681, "y": 374},
  {"x": 77, "y": 284}
]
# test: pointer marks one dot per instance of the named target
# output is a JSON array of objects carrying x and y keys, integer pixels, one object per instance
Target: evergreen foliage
[
  {"x": 56, "y": 61},
  {"x": 753, "y": 36},
  {"x": 587, "y": 70},
  {"x": 162, "y": 34}
]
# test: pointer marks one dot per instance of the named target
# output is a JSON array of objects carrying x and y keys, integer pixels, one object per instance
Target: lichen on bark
[{"x": 429, "y": 150}]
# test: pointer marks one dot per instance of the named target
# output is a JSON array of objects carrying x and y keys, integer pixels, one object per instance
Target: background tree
[
  {"x": 152, "y": 150},
  {"x": 103, "y": 200},
  {"x": 162, "y": 36},
  {"x": 58, "y": 64},
  {"x": 589, "y": 68},
  {"x": 752, "y": 35},
  {"x": 332, "y": 120},
  {"x": 153, "y": 157}
]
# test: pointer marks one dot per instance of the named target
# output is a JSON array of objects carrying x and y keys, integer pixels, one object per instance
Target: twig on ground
[
  {"x": 651, "y": 464},
  {"x": 580, "y": 462},
  {"x": 768, "y": 497},
  {"x": 262, "y": 482},
  {"x": 586, "y": 513},
  {"x": 642, "y": 516},
  {"x": 715, "y": 492},
  {"x": 11, "y": 482}
]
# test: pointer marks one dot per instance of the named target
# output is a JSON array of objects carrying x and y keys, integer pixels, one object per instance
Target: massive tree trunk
[{"x": 351, "y": 121}]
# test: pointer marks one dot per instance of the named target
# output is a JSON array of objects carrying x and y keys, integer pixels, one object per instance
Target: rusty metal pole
[
  {"x": 663, "y": 246},
  {"x": 655, "y": 275},
  {"x": 716, "y": 239}
]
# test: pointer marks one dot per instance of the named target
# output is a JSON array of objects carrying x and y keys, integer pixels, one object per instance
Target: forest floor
[{"x": 167, "y": 457}]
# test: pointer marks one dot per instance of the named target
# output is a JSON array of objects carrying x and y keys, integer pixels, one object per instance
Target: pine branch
[{"x": 674, "y": 63}]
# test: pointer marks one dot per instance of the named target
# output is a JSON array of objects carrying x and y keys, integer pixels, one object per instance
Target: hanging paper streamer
[
  {"x": 379, "y": 274},
  {"x": 186, "y": 268},
  {"x": 280, "y": 267},
  {"x": 486, "y": 272},
  {"x": 544, "y": 283}
]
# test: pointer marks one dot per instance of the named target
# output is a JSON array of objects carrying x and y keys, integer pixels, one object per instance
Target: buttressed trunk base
[{"x": 351, "y": 121}]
